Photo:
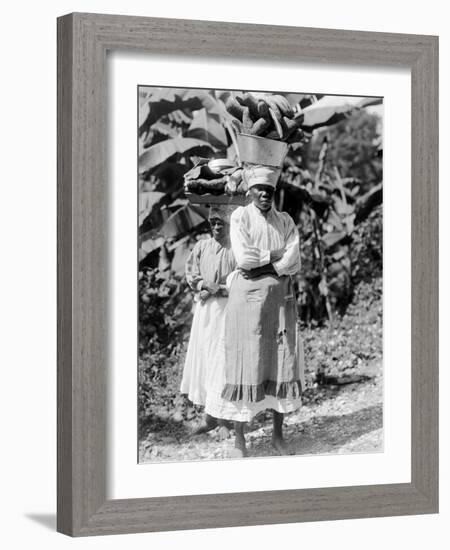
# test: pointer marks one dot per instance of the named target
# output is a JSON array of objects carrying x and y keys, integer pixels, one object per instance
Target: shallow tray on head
[
  {"x": 260, "y": 150},
  {"x": 208, "y": 198}
]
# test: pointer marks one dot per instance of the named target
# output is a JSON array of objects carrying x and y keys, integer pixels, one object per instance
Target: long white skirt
[
  {"x": 208, "y": 326},
  {"x": 204, "y": 369},
  {"x": 241, "y": 411}
]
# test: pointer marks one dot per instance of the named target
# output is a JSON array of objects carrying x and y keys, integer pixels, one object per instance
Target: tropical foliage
[{"x": 331, "y": 185}]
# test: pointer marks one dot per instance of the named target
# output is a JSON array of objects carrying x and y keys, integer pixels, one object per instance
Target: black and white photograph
[
  {"x": 260, "y": 274},
  {"x": 225, "y": 329}
]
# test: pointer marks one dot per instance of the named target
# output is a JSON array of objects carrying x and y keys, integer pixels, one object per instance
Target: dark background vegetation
[{"x": 331, "y": 185}]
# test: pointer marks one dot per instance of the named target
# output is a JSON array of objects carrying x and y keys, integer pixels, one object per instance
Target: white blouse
[{"x": 254, "y": 235}]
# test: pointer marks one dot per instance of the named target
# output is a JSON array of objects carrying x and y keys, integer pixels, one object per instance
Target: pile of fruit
[
  {"x": 265, "y": 115},
  {"x": 215, "y": 177},
  {"x": 268, "y": 116}
]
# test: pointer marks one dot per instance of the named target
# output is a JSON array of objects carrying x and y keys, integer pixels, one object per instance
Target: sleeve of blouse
[
  {"x": 289, "y": 263},
  {"x": 246, "y": 254},
  {"x": 192, "y": 268}
]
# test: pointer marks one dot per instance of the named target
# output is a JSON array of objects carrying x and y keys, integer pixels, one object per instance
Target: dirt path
[{"x": 334, "y": 419}]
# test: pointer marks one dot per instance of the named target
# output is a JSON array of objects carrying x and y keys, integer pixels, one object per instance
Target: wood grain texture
[
  {"x": 256, "y": 508},
  {"x": 83, "y": 254},
  {"x": 425, "y": 272},
  {"x": 64, "y": 276},
  {"x": 83, "y": 40}
]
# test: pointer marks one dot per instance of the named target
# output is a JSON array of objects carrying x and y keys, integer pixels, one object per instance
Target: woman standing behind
[{"x": 207, "y": 268}]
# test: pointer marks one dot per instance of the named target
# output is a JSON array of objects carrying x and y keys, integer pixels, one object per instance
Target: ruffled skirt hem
[
  {"x": 240, "y": 411},
  {"x": 254, "y": 393}
]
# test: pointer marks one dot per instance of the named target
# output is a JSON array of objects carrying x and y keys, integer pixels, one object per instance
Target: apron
[{"x": 261, "y": 356}]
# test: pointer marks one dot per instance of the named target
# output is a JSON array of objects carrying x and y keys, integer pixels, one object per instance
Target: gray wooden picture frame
[{"x": 83, "y": 42}]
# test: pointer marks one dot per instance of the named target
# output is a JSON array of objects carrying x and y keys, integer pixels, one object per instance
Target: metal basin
[{"x": 260, "y": 150}]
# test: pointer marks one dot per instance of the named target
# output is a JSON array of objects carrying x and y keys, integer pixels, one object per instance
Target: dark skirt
[{"x": 260, "y": 340}]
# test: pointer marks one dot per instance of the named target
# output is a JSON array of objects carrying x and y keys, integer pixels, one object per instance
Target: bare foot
[
  {"x": 280, "y": 445},
  {"x": 223, "y": 433},
  {"x": 207, "y": 424},
  {"x": 237, "y": 452},
  {"x": 240, "y": 450}
]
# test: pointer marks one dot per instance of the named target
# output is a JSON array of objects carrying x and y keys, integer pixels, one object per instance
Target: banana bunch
[
  {"x": 265, "y": 115},
  {"x": 202, "y": 180}
]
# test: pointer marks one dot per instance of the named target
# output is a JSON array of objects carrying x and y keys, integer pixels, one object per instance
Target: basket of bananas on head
[
  {"x": 262, "y": 127},
  {"x": 216, "y": 181}
]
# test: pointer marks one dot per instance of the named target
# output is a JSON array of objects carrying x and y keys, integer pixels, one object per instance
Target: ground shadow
[
  {"x": 325, "y": 434},
  {"x": 47, "y": 520},
  {"x": 157, "y": 424}
]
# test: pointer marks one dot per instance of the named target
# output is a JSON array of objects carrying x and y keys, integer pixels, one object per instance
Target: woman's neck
[
  {"x": 262, "y": 212},
  {"x": 223, "y": 241}
]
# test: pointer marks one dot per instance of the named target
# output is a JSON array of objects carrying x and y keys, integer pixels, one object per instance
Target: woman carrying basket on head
[{"x": 263, "y": 366}]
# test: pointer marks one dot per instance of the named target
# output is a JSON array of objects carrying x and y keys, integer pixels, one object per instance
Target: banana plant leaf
[
  {"x": 342, "y": 207},
  {"x": 166, "y": 177},
  {"x": 331, "y": 109},
  {"x": 181, "y": 222},
  {"x": 163, "y": 101},
  {"x": 181, "y": 253},
  {"x": 330, "y": 239},
  {"x": 164, "y": 150},
  {"x": 148, "y": 200},
  {"x": 335, "y": 221},
  {"x": 148, "y": 244},
  {"x": 207, "y": 127},
  {"x": 368, "y": 202},
  {"x": 302, "y": 100}
]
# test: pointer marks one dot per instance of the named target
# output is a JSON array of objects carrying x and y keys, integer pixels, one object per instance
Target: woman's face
[
  {"x": 218, "y": 228},
  {"x": 262, "y": 196}
]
